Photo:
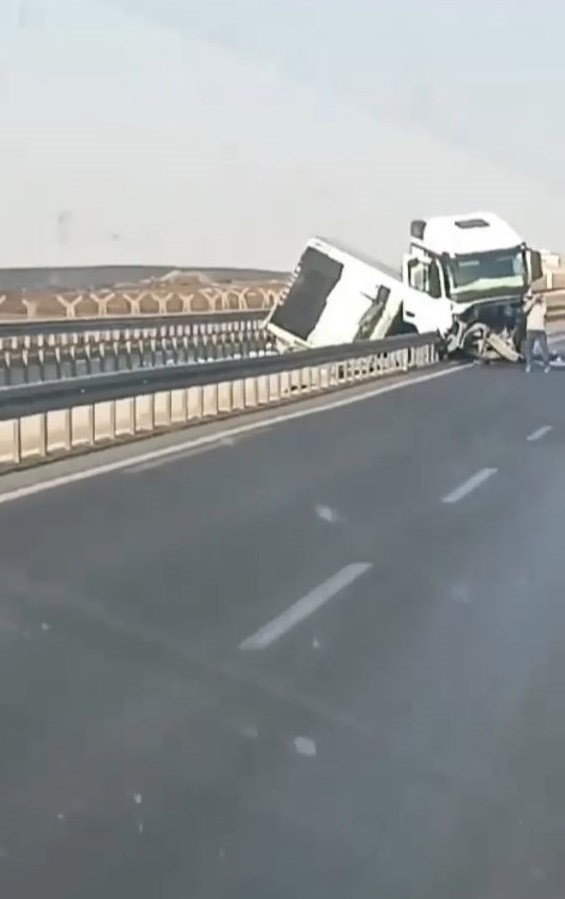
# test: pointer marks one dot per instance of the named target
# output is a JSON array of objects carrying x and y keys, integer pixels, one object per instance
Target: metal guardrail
[
  {"x": 43, "y": 421},
  {"x": 53, "y": 354},
  {"x": 44, "y": 327},
  {"x": 34, "y": 351}
]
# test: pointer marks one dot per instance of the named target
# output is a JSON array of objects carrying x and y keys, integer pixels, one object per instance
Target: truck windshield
[{"x": 485, "y": 273}]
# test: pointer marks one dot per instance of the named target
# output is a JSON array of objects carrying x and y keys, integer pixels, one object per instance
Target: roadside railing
[
  {"x": 50, "y": 420},
  {"x": 32, "y": 355}
]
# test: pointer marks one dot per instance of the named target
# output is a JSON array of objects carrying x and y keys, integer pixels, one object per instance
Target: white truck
[{"x": 464, "y": 277}]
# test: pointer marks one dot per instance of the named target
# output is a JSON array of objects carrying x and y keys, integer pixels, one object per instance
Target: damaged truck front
[
  {"x": 478, "y": 268},
  {"x": 464, "y": 277}
]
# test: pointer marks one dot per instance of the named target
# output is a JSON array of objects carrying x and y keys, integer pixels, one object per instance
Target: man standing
[{"x": 535, "y": 308}]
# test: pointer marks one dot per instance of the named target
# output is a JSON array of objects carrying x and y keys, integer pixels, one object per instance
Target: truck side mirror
[
  {"x": 434, "y": 280},
  {"x": 536, "y": 265}
]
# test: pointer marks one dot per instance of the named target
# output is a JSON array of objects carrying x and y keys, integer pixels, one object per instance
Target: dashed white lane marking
[
  {"x": 120, "y": 464},
  {"x": 324, "y": 513},
  {"x": 305, "y": 607},
  {"x": 468, "y": 486},
  {"x": 541, "y": 432},
  {"x": 305, "y": 746}
]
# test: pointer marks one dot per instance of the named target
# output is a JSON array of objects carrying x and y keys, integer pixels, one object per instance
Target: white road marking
[
  {"x": 468, "y": 486},
  {"x": 324, "y": 513},
  {"x": 182, "y": 454},
  {"x": 305, "y": 746},
  {"x": 120, "y": 464},
  {"x": 541, "y": 432},
  {"x": 305, "y": 607},
  {"x": 177, "y": 457},
  {"x": 251, "y": 731}
]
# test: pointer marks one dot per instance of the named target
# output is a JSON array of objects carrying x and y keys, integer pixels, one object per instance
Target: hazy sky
[{"x": 229, "y": 131}]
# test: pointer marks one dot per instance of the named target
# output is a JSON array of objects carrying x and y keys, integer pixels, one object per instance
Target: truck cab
[{"x": 468, "y": 274}]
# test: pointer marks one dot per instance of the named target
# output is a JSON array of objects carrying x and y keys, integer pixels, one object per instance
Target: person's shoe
[{"x": 547, "y": 368}]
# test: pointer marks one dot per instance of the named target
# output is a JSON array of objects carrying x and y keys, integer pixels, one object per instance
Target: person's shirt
[{"x": 536, "y": 315}]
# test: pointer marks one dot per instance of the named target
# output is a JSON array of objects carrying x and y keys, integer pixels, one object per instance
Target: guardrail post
[
  {"x": 113, "y": 420},
  {"x": 91, "y": 426},
  {"x": 250, "y": 393},
  {"x": 175, "y": 348},
  {"x": 41, "y": 363},
  {"x": 25, "y": 363},
  {"x": 17, "y": 441},
  {"x": 58, "y": 362},
  {"x": 8, "y": 367},
  {"x": 168, "y": 409},
  {"x": 43, "y": 435},
  {"x": 73, "y": 356},
  {"x": 68, "y": 432}
]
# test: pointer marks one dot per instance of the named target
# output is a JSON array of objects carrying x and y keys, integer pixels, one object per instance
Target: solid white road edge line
[
  {"x": 188, "y": 453},
  {"x": 119, "y": 465},
  {"x": 305, "y": 607},
  {"x": 541, "y": 432},
  {"x": 468, "y": 486}
]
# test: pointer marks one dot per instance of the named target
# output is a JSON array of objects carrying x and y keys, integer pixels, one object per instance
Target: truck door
[{"x": 426, "y": 306}]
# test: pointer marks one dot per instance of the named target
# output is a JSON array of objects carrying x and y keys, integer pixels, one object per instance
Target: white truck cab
[{"x": 460, "y": 263}]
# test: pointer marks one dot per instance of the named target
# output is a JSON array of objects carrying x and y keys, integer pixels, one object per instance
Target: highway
[{"x": 321, "y": 659}]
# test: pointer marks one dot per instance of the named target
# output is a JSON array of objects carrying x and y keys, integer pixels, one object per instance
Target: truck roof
[{"x": 475, "y": 232}]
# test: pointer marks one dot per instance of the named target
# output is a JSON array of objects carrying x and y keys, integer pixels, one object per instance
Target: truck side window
[
  {"x": 434, "y": 280},
  {"x": 419, "y": 275}
]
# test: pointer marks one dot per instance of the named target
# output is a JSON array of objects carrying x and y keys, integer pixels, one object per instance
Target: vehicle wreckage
[{"x": 464, "y": 277}]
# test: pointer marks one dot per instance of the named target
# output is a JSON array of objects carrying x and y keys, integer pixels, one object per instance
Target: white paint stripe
[
  {"x": 305, "y": 607},
  {"x": 178, "y": 457},
  {"x": 168, "y": 460},
  {"x": 468, "y": 486},
  {"x": 119, "y": 465},
  {"x": 541, "y": 432}
]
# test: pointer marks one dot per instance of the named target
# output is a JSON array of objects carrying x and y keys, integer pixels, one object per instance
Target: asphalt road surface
[{"x": 321, "y": 660}]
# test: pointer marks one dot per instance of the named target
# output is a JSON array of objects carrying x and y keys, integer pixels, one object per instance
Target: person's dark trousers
[{"x": 533, "y": 337}]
